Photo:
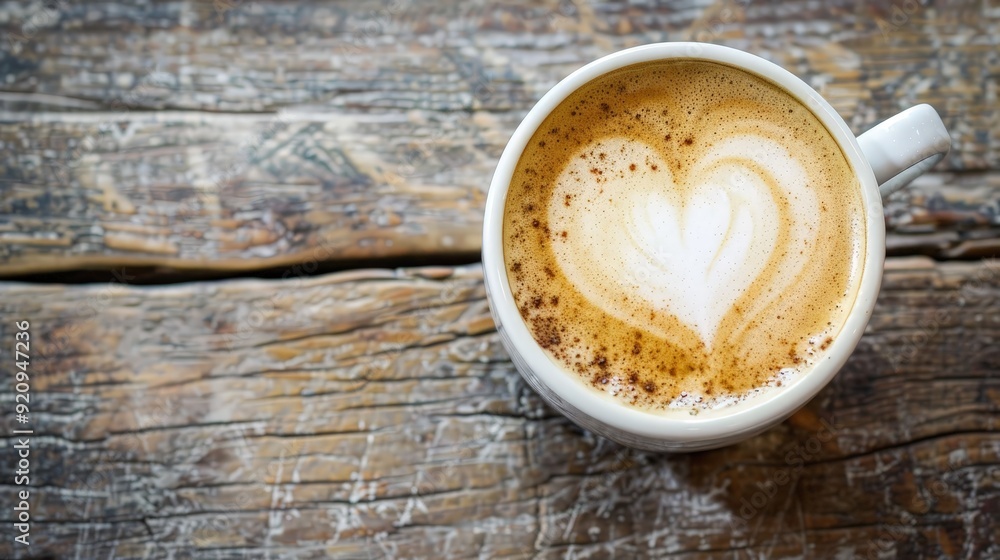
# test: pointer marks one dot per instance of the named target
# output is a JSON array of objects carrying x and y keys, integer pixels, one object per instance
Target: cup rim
[{"x": 759, "y": 412}]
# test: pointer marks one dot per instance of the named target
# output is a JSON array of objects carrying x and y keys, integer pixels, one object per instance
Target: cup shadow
[{"x": 830, "y": 478}]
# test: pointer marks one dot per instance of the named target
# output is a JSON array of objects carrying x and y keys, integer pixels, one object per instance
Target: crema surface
[{"x": 683, "y": 233}]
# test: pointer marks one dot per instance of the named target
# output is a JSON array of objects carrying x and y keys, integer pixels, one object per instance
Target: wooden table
[{"x": 318, "y": 375}]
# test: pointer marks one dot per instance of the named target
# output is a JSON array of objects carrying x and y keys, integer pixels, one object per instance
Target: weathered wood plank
[
  {"x": 373, "y": 127},
  {"x": 232, "y": 192},
  {"x": 399, "y": 55},
  {"x": 240, "y": 192},
  {"x": 373, "y": 414},
  {"x": 946, "y": 216}
]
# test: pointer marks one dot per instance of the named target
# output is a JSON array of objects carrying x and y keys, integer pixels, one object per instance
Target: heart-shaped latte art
[{"x": 643, "y": 241}]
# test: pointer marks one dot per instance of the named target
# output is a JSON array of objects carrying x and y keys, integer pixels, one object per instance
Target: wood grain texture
[
  {"x": 373, "y": 414},
  {"x": 239, "y": 135}
]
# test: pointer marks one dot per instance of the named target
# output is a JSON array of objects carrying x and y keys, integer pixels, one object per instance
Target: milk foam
[
  {"x": 683, "y": 234},
  {"x": 688, "y": 249}
]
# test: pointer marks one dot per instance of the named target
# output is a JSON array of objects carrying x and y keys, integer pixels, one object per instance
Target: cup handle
[{"x": 905, "y": 146}]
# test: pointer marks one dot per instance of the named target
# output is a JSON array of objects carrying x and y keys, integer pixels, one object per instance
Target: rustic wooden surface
[
  {"x": 373, "y": 414},
  {"x": 238, "y": 135}
]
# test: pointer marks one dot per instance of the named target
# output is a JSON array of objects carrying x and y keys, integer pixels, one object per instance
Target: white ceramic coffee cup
[{"x": 885, "y": 158}]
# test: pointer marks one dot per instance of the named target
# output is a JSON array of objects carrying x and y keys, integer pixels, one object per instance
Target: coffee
[{"x": 683, "y": 234}]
